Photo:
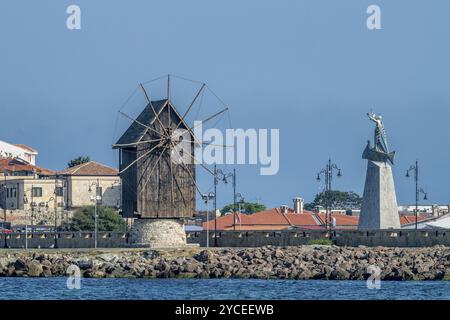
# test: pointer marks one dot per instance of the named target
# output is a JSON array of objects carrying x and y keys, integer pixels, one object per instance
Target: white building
[{"x": 18, "y": 151}]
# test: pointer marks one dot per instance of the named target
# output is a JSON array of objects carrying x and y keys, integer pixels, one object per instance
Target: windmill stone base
[
  {"x": 379, "y": 208},
  {"x": 158, "y": 233}
]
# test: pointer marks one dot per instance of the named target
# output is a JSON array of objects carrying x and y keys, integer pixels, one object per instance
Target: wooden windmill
[{"x": 156, "y": 161}]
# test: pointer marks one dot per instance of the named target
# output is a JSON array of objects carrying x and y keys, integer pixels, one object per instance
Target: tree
[
  {"x": 78, "y": 160},
  {"x": 338, "y": 200},
  {"x": 246, "y": 207},
  {"x": 84, "y": 220}
]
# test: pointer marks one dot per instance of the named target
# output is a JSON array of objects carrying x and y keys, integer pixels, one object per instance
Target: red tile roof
[
  {"x": 274, "y": 219},
  {"x": 406, "y": 219},
  {"x": 15, "y": 165},
  {"x": 90, "y": 168}
]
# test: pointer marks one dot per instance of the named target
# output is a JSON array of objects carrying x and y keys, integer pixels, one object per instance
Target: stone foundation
[{"x": 158, "y": 233}]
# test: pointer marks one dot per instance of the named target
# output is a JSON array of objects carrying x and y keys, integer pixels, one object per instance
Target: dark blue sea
[{"x": 56, "y": 288}]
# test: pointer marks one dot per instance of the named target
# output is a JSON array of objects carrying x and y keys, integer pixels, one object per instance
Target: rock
[
  {"x": 108, "y": 257},
  {"x": 205, "y": 255},
  {"x": 19, "y": 264},
  {"x": 84, "y": 264},
  {"x": 278, "y": 254},
  {"x": 34, "y": 268},
  {"x": 340, "y": 274}
]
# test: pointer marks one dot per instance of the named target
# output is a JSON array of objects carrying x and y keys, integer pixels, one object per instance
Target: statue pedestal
[
  {"x": 158, "y": 233},
  {"x": 379, "y": 208}
]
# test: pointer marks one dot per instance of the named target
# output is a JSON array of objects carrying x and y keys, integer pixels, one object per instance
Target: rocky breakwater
[{"x": 303, "y": 262}]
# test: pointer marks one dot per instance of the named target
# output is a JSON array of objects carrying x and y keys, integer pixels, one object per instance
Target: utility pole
[
  {"x": 215, "y": 205},
  {"x": 97, "y": 189},
  {"x": 56, "y": 211},
  {"x": 234, "y": 199}
]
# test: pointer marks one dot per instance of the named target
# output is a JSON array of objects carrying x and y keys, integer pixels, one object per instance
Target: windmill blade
[
  {"x": 187, "y": 170},
  {"x": 177, "y": 184},
  {"x": 138, "y": 122},
  {"x": 181, "y": 193},
  {"x": 210, "y": 118},
  {"x": 153, "y": 109},
  {"x": 153, "y": 168},
  {"x": 170, "y": 153},
  {"x": 217, "y": 145},
  {"x": 191, "y": 105},
  {"x": 142, "y": 156},
  {"x": 204, "y": 167},
  {"x": 135, "y": 143}
]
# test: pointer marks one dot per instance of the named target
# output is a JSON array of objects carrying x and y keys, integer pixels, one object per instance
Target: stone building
[
  {"x": 67, "y": 189},
  {"x": 81, "y": 182}
]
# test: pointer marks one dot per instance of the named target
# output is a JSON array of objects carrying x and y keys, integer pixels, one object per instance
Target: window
[
  {"x": 59, "y": 191},
  {"x": 11, "y": 192},
  {"x": 37, "y": 192}
]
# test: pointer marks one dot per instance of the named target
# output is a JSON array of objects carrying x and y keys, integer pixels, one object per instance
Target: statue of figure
[
  {"x": 380, "y": 151},
  {"x": 380, "y": 134}
]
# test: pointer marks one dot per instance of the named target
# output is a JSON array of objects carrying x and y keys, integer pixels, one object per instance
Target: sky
[{"x": 311, "y": 69}]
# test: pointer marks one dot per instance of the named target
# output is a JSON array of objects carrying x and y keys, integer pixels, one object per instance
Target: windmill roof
[{"x": 136, "y": 131}]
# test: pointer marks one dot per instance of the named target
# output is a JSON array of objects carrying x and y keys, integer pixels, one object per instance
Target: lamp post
[
  {"x": 224, "y": 177},
  {"x": 5, "y": 245},
  {"x": 219, "y": 175},
  {"x": 25, "y": 200},
  {"x": 415, "y": 168},
  {"x": 241, "y": 202},
  {"x": 206, "y": 198},
  {"x": 96, "y": 201},
  {"x": 328, "y": 173}
]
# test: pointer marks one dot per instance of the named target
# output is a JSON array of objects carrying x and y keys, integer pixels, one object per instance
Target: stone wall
[
  {"x": 65, "y": 240},
  {"x": 391, "y": 238},
  {"x": 388, "y": 238}
]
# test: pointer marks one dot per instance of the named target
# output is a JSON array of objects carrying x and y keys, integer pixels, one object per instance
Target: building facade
[
  {"x": 18, "y": 151},
  {"x": 65, "y": 190}
]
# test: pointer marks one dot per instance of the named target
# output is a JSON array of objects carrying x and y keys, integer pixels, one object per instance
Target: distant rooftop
[
  {"x": 13, "y": 166},
  {"x": 90, "y": 168}
]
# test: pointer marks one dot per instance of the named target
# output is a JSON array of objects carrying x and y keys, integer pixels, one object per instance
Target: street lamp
[
  {"x": 32, "y": 205},
  {"x": 5, "y": 245},
  {"x": 206, "y": 197},
  {"x": 328, "y": 172},
  {"x": 241, "y": 202},
  {"x": 219, "y": 175},
  {"x": 97, "y": 198},
  {"x": 415, "y": 168}
]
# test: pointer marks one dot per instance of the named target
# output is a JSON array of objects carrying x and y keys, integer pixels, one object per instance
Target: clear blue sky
[{"x": 310, "y": 68}]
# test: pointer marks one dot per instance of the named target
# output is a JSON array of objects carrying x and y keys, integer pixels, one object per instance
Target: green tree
[
  {"x": 78, "y": 160},
  {"x": 84, "y": 220},
  {"x": 246, "y": 207},
  {"x": 338, "y": 200}
]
